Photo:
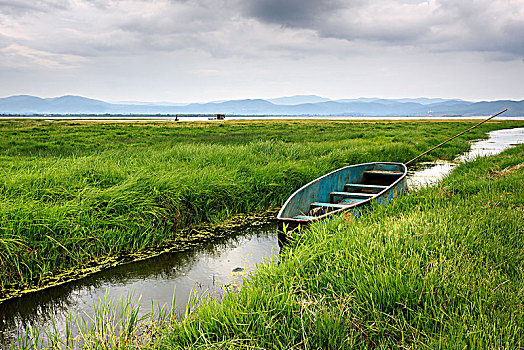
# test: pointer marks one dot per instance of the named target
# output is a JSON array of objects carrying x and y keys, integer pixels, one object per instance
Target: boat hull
[{"x": 344, "y": 191}]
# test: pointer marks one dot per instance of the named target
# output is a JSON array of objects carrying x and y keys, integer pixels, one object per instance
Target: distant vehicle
[{"x": 218, "y": 117}]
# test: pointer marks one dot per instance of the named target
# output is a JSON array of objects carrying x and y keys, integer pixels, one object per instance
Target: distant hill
[
  {"x": 60, "y": 105},
  {"x": 420, "y": 100},
  {"x": 297, "y": 100},
  {"x": 291, "y": 105}
]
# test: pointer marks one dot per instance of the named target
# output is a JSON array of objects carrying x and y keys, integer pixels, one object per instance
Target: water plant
[{"x": 113, "y": 325}]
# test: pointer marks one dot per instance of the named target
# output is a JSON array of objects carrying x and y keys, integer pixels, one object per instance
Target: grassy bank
[
  {"x": 74, "y": 193},
  {"x": 439, "y": 268}
]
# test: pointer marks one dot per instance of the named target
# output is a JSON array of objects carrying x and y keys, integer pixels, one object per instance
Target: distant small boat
[
  {"x": 218, "y": 117},
  {"x": 346, "y": 189}
]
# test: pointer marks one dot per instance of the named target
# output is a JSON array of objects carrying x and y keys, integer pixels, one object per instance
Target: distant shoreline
[{"x": 130, "y": 118}]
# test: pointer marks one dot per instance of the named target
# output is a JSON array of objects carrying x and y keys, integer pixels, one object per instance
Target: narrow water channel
[
  {"x": 212, "y": 268},
  {"x": 429, "y": 173}
]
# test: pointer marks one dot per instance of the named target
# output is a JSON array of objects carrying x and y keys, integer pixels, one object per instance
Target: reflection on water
[
  {"x": 430, "y": 173},
  {"x": 210, "y": 269}
]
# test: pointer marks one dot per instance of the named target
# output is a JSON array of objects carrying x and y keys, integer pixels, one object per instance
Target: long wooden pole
[{"x": 465, "y": 131}]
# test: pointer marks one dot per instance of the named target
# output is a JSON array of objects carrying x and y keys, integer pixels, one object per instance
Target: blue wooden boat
[
  {"x": 344, "y": 190},
  {"x": 349, "y": 189}
]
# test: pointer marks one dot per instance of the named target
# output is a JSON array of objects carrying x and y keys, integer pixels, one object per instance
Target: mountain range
[{"x": 290, "y": 105}]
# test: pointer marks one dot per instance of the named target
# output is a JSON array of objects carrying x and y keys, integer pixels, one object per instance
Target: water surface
[
  {"x": 430, "y": 173},
  {"x": 211, "y": 269}
]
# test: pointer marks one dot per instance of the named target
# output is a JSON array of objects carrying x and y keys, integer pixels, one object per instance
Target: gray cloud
[
  {"x": 484, "y": 25},
  {"x": 20, "y": 7},
  {"x": 293, "y": 13},
  {"x": 235, "y": 47},
  {"x": 351, "y": 20},
  {"x": 226, "y": 27},
  {"x": 4, "y": 41},
  {"x": 438, "y": 25}
]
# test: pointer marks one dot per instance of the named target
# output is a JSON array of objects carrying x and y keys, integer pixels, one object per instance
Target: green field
[
  {"x": 442, "y": 267},
  {"x": 75, "y": 193}
]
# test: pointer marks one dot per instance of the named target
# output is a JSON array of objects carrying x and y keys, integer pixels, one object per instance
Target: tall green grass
[
  {"x": 442, "y": 267},
  {"x": 113, "y": 325},
  {"x": 73, "y": 194}
]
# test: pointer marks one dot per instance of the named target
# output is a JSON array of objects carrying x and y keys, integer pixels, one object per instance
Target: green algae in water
[{"x": 185, "y": 240}]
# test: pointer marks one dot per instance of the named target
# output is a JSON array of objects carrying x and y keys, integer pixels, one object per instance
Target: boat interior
[{"x": 370, "y": 184}]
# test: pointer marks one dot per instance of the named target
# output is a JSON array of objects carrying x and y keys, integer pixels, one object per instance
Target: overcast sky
[{"x": 203, "y": 50}]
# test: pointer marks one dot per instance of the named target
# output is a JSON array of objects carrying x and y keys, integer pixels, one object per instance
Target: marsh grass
[
  {"x": 438, "y": 268},
  {"x": 113, "y": 325},
  {"x": 74, "y": 193}
]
